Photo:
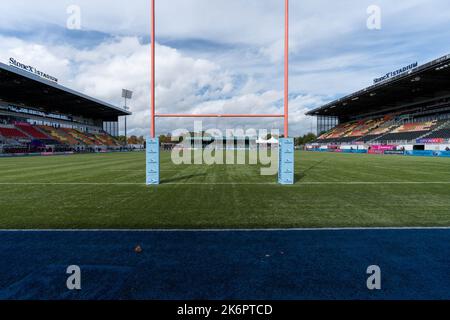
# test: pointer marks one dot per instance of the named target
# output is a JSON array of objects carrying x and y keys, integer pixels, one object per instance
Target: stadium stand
[
  {"x": 94, "y": 139},
  {"x": 442, "y": 132},
  {"x": 59, "y": 135},
  {"x": 107, "y": 140},
  {"x": 31, "y": 131},
  {"x": 352, "y": 132},
  {"x": 385, "y": 130},
  {"x": 78, "y": 136},
  {"x": 408, "y": 132},
  {"x": 407, "y": 113},
  {"x": 9, "y": 131},
  {"x": 365, "y": 127},
  {"x": 382, "y": 130},
  {"x": 51, "y": 118}
]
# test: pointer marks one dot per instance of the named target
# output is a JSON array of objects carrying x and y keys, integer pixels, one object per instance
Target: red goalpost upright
[{"x": 286, "y": 161}]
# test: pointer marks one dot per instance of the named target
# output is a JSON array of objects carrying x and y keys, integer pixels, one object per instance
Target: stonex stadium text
[
  {"x": 396, "y": 72},
  {"x": 31, "y": 69}
]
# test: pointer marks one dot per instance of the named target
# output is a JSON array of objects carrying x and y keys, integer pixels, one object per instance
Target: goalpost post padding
[
  {"x": 152, "y": 161},
  {"x": 286, "y": 161},
  {"x": 285, "y": 167}
]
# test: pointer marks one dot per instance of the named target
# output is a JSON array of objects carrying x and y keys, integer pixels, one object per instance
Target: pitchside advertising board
[
  {"x": 14, "y": 63},
  {"x": 394, "y": 152},
  {"x": 431, "y": 141}
]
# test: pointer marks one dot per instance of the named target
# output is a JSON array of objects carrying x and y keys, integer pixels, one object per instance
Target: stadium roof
[
  {"x": 26, "y": 89},
  {"x": 421, "y": 84}
]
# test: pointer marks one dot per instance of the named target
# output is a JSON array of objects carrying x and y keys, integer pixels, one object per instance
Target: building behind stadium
[
  {"x": 39, "y": 116},
  {"x": 406, "y": 113}
]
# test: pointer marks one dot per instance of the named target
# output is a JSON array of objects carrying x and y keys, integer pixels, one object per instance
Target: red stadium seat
[
  {"x": 12, "y": 133},
  {"x": 30, "y": 130}
]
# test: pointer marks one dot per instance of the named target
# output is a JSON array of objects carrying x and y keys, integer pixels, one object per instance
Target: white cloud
[
  {"x": 332, "y": 51},
  {"x": 34, "y": 54},
  {"x": 184, "y": 84}
]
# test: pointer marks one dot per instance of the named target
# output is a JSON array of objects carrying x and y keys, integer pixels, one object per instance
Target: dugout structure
[{"x": 286, "y": 145}]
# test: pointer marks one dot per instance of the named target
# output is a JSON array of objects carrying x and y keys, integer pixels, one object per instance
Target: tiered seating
[
  {"x": 75, "y": 137},
  {"x": 410, "y": 131},
  {"x": 94, "y": 139},
  {"x": 23, "y": 137},
  {"x": 59, "y": 135},
  {"x": 331, "y": 133},
  {"x": 107, "y": 140},
  {"x": 443, "y": 133},
  {"x": 338, "y": 134},
  {"x": 342, "y": 132},
  {"x": 12, "y": 133},
  {"x": 415, "y": 127},
  {"x": 354, "y": 131},
  {"x": 379, "y": 132},
  {"x": 385, "y": 130},
  {"x": 365, "y": 127},
  {"x": 31, "y": 131},
  {"x": 79, "y": 136}
]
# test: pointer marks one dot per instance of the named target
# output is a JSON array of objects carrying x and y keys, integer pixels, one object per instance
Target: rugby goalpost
[{"x": 286, "y": 144}]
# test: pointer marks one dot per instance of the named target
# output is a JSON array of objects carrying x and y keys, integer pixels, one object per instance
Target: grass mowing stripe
[{"x": 332, "y": 190}]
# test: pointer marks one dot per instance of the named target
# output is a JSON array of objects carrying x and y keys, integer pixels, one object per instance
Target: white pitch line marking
[
  {"x": 229, "y": 230},
  {"x": 299, "y": 184},
  {"x": 118, "y": 183}
]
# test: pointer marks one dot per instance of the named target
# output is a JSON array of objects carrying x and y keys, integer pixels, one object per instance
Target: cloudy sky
[{"x": 222, "y": 56}]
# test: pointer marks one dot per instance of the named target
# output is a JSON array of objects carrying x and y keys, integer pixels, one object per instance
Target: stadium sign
[
  {"x": 430, "y": 140},
  {"x": 14, "y": 63},
  {"x": 395, "y": 73}
]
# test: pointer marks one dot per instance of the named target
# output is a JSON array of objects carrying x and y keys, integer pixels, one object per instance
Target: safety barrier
[
  {"x": 428, "y": 153},
  {"x": 416, "y": 153}
]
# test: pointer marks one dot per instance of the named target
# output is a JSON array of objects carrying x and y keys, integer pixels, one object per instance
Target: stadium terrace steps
[
  {"x": 416, "y": 127},
  {"x": 401, "y": 136},
  {"x": 376, "y": 135},
  {"x": 31, "y": 131},
  {"x": 441, "y": 132},
  {"x": 385, "y": 130},
  {"x": 384, "y": 126},
  {"x": 364, "y": 127},
  {"x": 9, "y": 131},
  {"x": 78, "y": 136},
  {"x": 358, "y": 131},
  {"x": 94, "y": 138},
  {"x": 106, "y": 140},
  {"x": 75, "y": 137},
  {"x": 410, "y": 131},
  {"x": 60, "y": 136}
]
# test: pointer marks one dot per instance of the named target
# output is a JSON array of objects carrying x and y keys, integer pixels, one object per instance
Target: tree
[
  {"x": 305, "y": 139},
  {"x": 133, "y": 140}
]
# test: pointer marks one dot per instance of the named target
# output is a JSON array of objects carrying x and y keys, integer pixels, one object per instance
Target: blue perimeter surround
[
  {"x": 152, "y": 161},
  {"x": 291, "y": 264},
  {"x": 286, "y": 173},
  {"x": 428, "y": 153}
]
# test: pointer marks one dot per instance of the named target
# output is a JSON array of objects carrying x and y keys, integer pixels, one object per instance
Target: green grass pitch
[{"x": 332, "y": 190}]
